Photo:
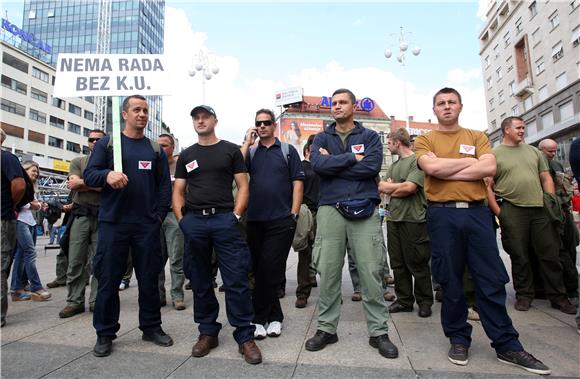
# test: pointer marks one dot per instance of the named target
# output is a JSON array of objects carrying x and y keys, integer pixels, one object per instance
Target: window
[
  {"x": 561, "y": 81},
  {"x": 489, "y": 84},
  {"x": 536, "y": 37},
  {"x": 543, "y": 93},
  {"x": 12, "y": 107},
  {"x": 531, "y": 127},
  {"x": 512, "y": 87},
  {"x": 86, "y": 132},
  {"x": 499, "y": 74},
  {"x": 14, "y": 62},
  {"x": 35, "y": 115},
  {"x": 59, "y": 103},
  {"x": 566, "y": 111},
  {"x": 554, "y": 20},
  {"x": 14, "y": 84},
  {"x": 56, "y": 122},
  {"x": 540, "y": 67},
  {"x": 486, "y": 60},
  {"x": 533, "y": 9},
  {"x": 506, "y": 39},
  {"x": 32, "y": 14},
  {"x": 89, "y": 115},
  {"x": 54, "y": 142},
  {"x": 86, "y": 150},
  {"x": 74, "y": 109},
  {"x": 528, "y": 103},
  {"x": 576, "y": 36},
  {"x": 500, "y": 97},
  {"x": 50, "y": 13},
  {"x": 90, "y": 99},
  {"x": 496, "y": 51},
  {"x": 515, "y": 110},
  {"x": 509, "y": 64},
  {"x": 39, "y": 74},
  {"x": 518, "y": 25},
  {"x": 502, "y": 116},
  {"x": 74, "y": 147},
  {"x": 574, "y": 4},
  {"x": 491, "y": 102},
  {"x": 557, "y": 51},
  {"x": 547, "y": 120},
  {"x": 74, "y": 128},
  {"x": 493, "y": 125},
  {"x": 38, "y": 95}
]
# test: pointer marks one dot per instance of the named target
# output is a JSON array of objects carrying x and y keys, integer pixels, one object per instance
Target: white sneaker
[
  {"x": 274, "y": 329},
  {"x": 260, "y": 332}
]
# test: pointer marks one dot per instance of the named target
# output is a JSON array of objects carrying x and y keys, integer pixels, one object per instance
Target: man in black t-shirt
[{"x": 208, "y": 216}]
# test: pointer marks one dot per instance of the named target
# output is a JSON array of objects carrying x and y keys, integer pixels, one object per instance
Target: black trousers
[{"x": 269, "y": 243}]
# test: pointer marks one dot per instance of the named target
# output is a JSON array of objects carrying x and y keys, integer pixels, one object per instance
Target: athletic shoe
[
  {"x": 524, "y": 360},
  {"x": 458, "y": 354},
  {"x": 274, "y": 329},
  {"x": 260, "y": 332}
]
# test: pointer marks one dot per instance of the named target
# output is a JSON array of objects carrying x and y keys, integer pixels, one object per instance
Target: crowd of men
[{"x": 445, "y": 193}]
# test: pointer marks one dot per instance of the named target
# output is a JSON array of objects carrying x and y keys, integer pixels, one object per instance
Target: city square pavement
[{"x": 37, "y": 343}]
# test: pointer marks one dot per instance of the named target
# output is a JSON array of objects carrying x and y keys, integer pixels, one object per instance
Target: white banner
[
  {"x": 111, "y": 75},
  {"x": 289, "y": 96}
]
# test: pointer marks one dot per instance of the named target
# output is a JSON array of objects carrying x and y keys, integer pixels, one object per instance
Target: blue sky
[{"x": 262, "y": 47}]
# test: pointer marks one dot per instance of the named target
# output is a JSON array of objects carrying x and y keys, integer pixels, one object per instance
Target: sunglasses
[
  {"x": 265, "y": 123},
  {"x": 93, "y": 139}
]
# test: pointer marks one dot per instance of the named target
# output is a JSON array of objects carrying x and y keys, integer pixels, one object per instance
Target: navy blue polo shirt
[
  {"x": 271, "y": 182},
  {"x": 11, "y": 169}
]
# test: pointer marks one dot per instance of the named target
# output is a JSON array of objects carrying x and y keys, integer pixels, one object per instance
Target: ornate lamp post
[{"x": 205, "y": 63}]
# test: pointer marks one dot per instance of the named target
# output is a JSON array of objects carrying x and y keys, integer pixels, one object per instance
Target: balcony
[{"x": 524, "y": 88}]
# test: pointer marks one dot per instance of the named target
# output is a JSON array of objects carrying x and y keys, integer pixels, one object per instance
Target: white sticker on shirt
[
  {"x": 144, "y": 165},
  {"x": 466, "y": 149},
  {"x": 358, "y": 149},
  {"x": 191, "y": 166}
]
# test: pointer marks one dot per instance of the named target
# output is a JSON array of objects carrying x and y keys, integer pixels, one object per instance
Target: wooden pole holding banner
[{"x": 117, "y": 157}]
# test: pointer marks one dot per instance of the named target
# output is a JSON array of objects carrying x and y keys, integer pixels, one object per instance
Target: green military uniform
[
  {"x": 408, "y": 241},
  {"x": 83, "y": 239},
  {"x": 524, "y": 222}
]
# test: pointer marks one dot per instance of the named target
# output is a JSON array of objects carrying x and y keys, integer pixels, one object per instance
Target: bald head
[{"x": 548, "y": 147}]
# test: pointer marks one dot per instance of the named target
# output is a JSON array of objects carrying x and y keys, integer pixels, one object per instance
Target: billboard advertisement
[
  {"x": 289, "y": 96},
  {"x": 296, "y": 131}
]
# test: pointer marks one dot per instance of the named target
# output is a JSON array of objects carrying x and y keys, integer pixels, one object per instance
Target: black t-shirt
[
  {"x": 311, "y": 186},
  {"x": 11, "y": 169},
  {"x": 210, "y": 171}
]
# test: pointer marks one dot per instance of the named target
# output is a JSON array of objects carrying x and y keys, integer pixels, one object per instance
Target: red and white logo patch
[
  {"x": 144, "y": 165},
  {"x": 358, "y": 149},
  {"x": 191, "y": 166},
  {"x": 466, "y": 149}
]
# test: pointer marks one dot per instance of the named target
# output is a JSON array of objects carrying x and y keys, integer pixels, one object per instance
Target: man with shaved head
[{"x": 569, "y": 234}]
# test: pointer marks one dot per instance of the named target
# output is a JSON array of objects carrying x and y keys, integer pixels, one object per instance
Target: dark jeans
[
  {"x": 202, "y": 235},
  {"x": 109, "y": 265},
  {"x": 269, "y": 243},
  {"x": 466, "y": 236}
]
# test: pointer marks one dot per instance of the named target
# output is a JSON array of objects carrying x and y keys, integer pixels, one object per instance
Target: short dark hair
[
  {"x": 268, "y": 112},
  {"x": 168, "y": 136},
  {"x": 400, "y": 135},
  {"x": 308, "y": 143},
  {"x": 507, "y": 122},
  {"x": 447, "y": 90},
  {"x": 98, "y": 131},
  {"x": 348, "y": 92},
  {"x": 126, "y": 101}
]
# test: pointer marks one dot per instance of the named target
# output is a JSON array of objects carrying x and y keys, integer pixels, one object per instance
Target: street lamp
[
  {"x": 403, "y": 47},
  {"x": 205, "y": 63}
]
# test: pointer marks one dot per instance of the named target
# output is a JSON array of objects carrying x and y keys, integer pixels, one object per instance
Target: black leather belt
[
  {"x": 209, "y": 211},
  {"x": 458, "y": 204}
]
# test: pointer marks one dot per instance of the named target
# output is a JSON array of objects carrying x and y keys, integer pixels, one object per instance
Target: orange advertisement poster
[{"x": 296, "y": 131}]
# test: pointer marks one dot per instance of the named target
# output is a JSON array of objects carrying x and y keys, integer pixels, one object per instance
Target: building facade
[
  {"x": 70, "y": 26},
  {"x": 530, "y": 58},
  {"x": 39, "y": 126}
]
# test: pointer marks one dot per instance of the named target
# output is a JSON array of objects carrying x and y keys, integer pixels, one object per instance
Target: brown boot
[
  {"x": 251, "y": 352},
  {"x": 522, "y": 304},
  {"x": 564, "y": 306},
  {"x": 203, "y": 346},
  {"x": 301, "y": 302},
  {"x": 71, "y": 310}
]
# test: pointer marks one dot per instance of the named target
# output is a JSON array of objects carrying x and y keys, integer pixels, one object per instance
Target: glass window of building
[
  {"x": 547, "y": 120},
  {"x": 566, "y": 111},
  {"x": 543, "y": 93},
  {"x": 14, "y": 84},
  {"x": 75, "y": 109},
  {"x": 86, "y": 150},
  {"x": 89, "y": 115},
  {"x": 38, "y": 95},
  {"x": 509, "y": 63},
  {"x": 32, "y": 15},
  {"x": 487, "y": 62},
  {"x": 86, "y": 132},
  {"x": 498, "y": 73},
  {"x": 74, "y": 147},
  {"x": 56, "y": 122},
  {"x": 554, "y": 19},
  {"x": 55, "y": 142},
  {"x": 489, "y": 83},
  {"x": 35, "y": 115},
  {"x": 491, "y": 103},
  {"x": 574, "y": 4},
  {"x": 557, "y": 51},
  {"x": 90, "y": 99},
  {"x": 561, "y": 81},
  {"x": 512, "y": 86},
  {"x": 528, "y": 103},
  {"x": 533, "y": 9},
  {"x": 506, "y": 39},
  {"x": 59, "y": 103},
  {"x": 12, "y": 107},
  {"x": 531, "y": 127},
  {"x": 540, "y": 66},
  {"x": 500, "y": 97},
  {"x": 74, "y": 128},
  {"x": 536, "y": 37},
  {"x": 515, "y": 110},
  {"x": 576, "y": 36},
  {"x": 14, "y": 62},
  {"x": 39, "y": 74},
  {"x": 496, "y": 51},
  {"x": 519, "y": 25}
]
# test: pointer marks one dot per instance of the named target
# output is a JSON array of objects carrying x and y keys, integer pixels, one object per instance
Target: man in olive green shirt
[
  {"x": 408, "y": 241},
  {"x": 521, "y": 178}
]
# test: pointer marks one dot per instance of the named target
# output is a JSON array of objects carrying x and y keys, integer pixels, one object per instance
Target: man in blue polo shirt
[{"x": 276, "y": 187}]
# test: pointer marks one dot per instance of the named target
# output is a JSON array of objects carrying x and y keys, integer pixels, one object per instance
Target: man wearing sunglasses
[
  {"x": 83, "y": 233},
  {"x": 276, "y": 188}
]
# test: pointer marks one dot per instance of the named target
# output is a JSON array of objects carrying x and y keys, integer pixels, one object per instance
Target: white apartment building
[
  {"x": 49, "y": 130},
  {"x": 530, "y": 57}
]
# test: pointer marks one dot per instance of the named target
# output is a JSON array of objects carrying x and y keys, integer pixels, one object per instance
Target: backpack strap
[{"x": 285, "y": 152}]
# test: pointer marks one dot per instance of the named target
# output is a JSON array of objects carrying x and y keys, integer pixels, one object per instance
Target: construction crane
[{"x": 103, "y": 45}]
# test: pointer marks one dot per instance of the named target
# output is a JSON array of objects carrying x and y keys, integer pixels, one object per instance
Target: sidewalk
[{"x": 37, "y": 343}]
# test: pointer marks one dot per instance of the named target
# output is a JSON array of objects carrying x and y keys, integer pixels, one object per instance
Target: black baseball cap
[{"x": 202, "y": 108}]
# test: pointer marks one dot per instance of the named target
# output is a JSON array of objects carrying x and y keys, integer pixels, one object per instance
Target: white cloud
[
  {"x": 357, "y": 22},
  {"x": 235, "y": 99}
]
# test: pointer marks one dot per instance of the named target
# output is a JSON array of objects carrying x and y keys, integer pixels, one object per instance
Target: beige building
[
  {"x": 39, "y": 126},
  {"x": 530, "y": 57}
]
